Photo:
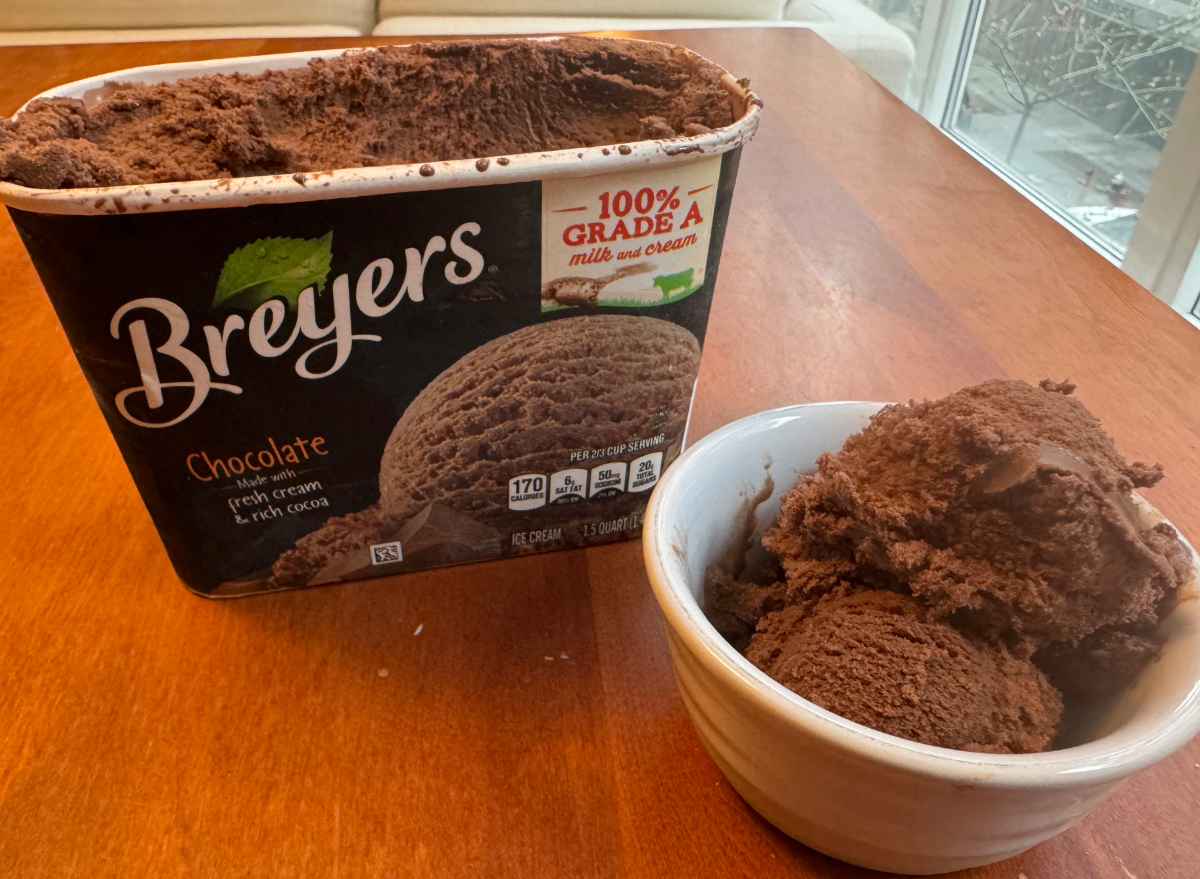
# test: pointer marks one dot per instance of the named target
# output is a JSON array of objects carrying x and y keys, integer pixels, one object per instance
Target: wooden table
[{"x": 532, "y": 728}]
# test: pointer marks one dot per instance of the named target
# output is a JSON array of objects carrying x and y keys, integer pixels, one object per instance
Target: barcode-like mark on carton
[{"x": 386, "y": 553}]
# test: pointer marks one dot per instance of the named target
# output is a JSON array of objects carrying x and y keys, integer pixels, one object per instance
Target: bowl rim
[
  {"x": 380, "y": 179},
  {"x": 1108, "y": 758}
]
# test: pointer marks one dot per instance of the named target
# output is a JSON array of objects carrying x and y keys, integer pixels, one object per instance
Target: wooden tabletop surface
[{"x": 146, "y": 732}]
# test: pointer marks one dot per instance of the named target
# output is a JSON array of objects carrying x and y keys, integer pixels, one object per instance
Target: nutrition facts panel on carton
[
  {"x": 608, "y": 479},
  {"x": 568, "y": 486},
  {"x": 527, "y": 492},
  {"x": 531, "y": 491},
  {"x": 644, "y": 471}
]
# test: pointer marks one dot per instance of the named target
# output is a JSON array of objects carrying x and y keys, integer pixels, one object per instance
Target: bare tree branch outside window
[
  {"x": 1111, "y": 62},
  {"x": 1073, "y": 99}
]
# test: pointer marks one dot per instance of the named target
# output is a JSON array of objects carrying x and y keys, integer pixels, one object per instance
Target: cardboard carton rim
[{"x": 353, "y": 182}]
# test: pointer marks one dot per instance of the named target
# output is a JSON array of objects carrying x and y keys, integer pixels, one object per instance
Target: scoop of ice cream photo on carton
[{"x": 353, "y": 313}]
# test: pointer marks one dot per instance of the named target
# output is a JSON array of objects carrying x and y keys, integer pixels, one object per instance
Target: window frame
[{"x": 1164, "y": 251}]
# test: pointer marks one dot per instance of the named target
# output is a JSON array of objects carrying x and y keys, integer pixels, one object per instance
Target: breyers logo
[{"x": 275, "y": 277}]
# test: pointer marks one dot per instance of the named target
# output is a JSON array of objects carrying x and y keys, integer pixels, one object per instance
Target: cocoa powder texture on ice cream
[
  {"x": 874, "y": 658},
  {"x": 519, "y": 404},
  {"x": 1005, "y": 505},
  {"x": 393, "y": 105}
]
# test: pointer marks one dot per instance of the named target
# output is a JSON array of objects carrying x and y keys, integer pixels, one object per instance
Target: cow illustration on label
[{"x": 674, "y": 283}]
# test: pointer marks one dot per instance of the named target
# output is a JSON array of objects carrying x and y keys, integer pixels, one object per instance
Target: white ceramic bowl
[{"x": 859, "y": 795}]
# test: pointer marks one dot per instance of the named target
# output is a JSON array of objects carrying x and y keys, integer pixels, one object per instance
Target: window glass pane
[
  {"x": 904, "y": 14},
  {"x": 1075, "y": 98},
  {"x": 910, "y": 17}
]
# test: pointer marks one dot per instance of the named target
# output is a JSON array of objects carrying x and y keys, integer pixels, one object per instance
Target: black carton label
[{"x": 326, "y": 390}]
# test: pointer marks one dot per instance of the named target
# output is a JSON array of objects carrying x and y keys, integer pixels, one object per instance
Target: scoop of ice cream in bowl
[{"x": 925, "y": 637}]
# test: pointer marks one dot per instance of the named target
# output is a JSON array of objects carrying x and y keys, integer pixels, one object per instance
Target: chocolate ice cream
[
  {"x": 876, "y": 657},
  {"x": 392, "y": 105},
  {"x": 996, "y": 530}
]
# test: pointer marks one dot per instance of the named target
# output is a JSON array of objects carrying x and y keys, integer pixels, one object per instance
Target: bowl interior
[
  {"x": 718, "y": 499},
  {"x": 746, "y": 468}
]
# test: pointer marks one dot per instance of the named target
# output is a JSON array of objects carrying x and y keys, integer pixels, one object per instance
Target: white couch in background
[
  {"x": 28, "y": 22},
  {"x": 881, "y": 49},
  {"x": 878, "y": 47}
]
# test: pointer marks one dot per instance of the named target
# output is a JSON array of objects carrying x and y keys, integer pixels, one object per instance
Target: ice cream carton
[{"x": 318, "y": 377}]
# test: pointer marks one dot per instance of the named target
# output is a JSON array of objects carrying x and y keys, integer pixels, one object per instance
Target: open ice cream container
[{"x": 331, "y": 375}]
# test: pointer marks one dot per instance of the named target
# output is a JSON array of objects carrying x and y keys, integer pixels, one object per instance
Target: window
[{"x": 1073, "y": 102}]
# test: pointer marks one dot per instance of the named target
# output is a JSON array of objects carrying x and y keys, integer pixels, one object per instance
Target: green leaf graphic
[{"x": 272, "y": 267}]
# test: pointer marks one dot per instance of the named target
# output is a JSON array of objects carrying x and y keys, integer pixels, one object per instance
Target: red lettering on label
[
  {"x": 693, "y": 216},
  {"x": 575, "y": 235},
  {"x": 597, "y": 254}
]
